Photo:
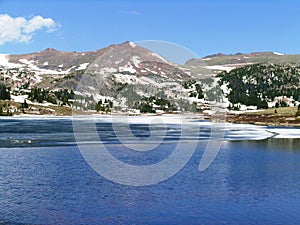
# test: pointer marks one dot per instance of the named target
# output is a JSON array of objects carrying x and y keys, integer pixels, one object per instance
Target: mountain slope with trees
[{"x": 259, "y": 84}]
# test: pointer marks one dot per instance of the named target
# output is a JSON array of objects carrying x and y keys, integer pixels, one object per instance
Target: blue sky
[{"x": 205, "y": 27}]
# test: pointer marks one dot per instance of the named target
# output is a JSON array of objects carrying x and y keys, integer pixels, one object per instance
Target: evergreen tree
[
  {"x": 24, "y": 105},
  {"x": 4, "y": 92},
  {"x": 298, "y": 111}
]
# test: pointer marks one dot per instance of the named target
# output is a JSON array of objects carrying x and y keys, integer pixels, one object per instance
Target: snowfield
[
  {"x": 19, "y": 98},
  {"x": 128, "y": 68},
  {"x": 220, "y": 67},
  {"x": 83, "y": 66},
  {"x": 278, "y": 53},
  {"x": 5, "y": 63}
]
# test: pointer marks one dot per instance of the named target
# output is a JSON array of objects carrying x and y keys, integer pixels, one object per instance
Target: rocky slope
[
  {"x": 122, "y": 76},
  {"x": 124, "y": 72}
]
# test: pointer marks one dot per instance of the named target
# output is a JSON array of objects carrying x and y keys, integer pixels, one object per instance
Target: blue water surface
[{"x": 249, "y": 182}]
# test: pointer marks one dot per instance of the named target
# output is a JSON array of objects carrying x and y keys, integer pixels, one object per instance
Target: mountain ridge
[
  {"x": 247, "y": 58},
  {"x": 127, "y": 76}
]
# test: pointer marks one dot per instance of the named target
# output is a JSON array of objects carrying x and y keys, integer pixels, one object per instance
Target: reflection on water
[{"x": 286, "y": 144}]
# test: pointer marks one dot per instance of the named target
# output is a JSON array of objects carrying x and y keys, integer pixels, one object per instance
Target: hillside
[
  {"x": 262, "y": 85},
  {"x": 122, "y": 74},
  {"x": 223, "y": 62},
  {"x": 129, "y": 78}
]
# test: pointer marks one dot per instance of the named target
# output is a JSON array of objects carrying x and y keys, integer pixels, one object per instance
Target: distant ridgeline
[{"x": 259, "y": 84}]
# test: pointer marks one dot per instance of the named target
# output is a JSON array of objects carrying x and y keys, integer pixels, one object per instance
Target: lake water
[{"x": 44, "y": 179}]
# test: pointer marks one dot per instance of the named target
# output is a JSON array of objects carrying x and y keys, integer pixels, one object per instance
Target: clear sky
[{"x": 203, "y": 26}]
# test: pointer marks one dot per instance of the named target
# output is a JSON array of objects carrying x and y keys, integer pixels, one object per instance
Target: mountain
[
  {"x": 131, "y": 58},
  {"x": 53, "y": 59},
  {"x": 123, "y": 72},
  {"x": 127, "y": 76},
  {"x": 227, "y": 62},
  {"x": 125, "y": 57}
]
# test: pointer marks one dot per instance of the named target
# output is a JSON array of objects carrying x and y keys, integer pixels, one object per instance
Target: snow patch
[
  {"x": 136, "y": 60},
  {"x": 5, "y": 62},
  {"x": 124, "y": 78},
  {"x": 27, "y": 62},
  {"x": 133, "y": 45},
  {"x": 160, "y": 57},
  {"x": 78, "y": 93},
  {"x": 3, "y": 59},
  {"x": 83, "y": 66},
  {"x": 128, "y": 68},
  {"x": 119, "y": 61},
  {"x": 107, "y": 70},
  {"x": 39, "y": 71},
  {"x": 19, "y": 98},
  {"x": 220, "y": 67},
  {"x": 278, "y": 53}
]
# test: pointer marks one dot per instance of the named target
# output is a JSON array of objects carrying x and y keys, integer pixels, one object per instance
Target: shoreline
[
  {"x": 284, "y": 117},
  {"x": 242, "y": 119},
  {"x": 264, "y": 120}
]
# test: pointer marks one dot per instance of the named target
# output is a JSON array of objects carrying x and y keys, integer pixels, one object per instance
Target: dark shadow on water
[{"x": 277, "y": 144}]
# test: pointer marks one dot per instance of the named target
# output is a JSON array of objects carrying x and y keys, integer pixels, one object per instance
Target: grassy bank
[{"x": 285, "y": 116}]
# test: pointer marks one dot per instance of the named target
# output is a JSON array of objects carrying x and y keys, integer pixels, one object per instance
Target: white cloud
[{"x": 20, "y": 30}]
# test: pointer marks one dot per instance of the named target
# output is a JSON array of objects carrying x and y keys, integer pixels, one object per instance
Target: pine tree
[
  {"x": 24, "y": 105},
  {"x": 4, "y": 92},
  {"x": 298, "y": 111}
]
